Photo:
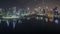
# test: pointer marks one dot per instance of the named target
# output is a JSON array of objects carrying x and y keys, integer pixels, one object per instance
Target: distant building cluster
[
  {"x": 26, "y": 11},
  {"x": 19, "y": 15}
]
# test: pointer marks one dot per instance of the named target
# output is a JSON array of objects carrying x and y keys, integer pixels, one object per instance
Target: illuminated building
[
  {"x": 19, "y": 12},
  {"x": 56, "y": 21},
  {"x": 50, "y": 15},
  {"x": 9, "y": 12},
  {"x": 56, "y": 18},
  {"x": 14, "y": 10},
  {"x": 41, "y": 11},
  {"x": 28, "y": 9},
  {"x": 46, "y": 10},
  {"x": 1, "y": 12},
  {"x": 55, "y": 12}
]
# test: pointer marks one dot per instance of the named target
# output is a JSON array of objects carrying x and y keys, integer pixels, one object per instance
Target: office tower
[
  {"x": 43, "y": 11},
  {"x": 55, "y": 11},
  {"x": 8, "y": 11},
  {"x": 0, "y": 12},
  {"x": 14, "y": 10},
  {"x": 19, "y": 12},
  {"x": 46, "y": 10},
  {"x": 56, "y": 18},
  {"x": 28, "y": 10}
]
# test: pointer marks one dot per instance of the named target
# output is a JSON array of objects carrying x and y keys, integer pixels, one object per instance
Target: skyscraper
[
  {"x": 55, "y": 12},
  {"x": 14, "y": 10},
  {"x": 19, "y": 12}
]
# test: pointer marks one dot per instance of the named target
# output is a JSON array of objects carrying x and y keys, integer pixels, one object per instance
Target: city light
[
  {"x": 7, "y": 23},
  {"x": 14, "y": 24},
  {"x": 41, "y": 18},
  {"x": 37, "y": 18},
  {"x": 46, "y": 19},
  {"x": 29, "y": 15},
  {"x": 19, "y": 21},
  {"x": 56, "y": 21},
  {"x": 28, "y": 18},
  {"x": 39, "y": 7},
  {"x": 0, "y": 20},
  {"x": 19, "y": 15},
  {"x": 28, "y": 8}
]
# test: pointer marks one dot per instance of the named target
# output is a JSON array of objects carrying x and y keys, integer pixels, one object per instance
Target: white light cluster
[
  {"x": 7, "y": 23},
  {"x": 0, "y": 20},
  {"x": 46, "y": 19},
  {"x": 37, "y": 17},
  {"x": 56, "y": 21},
  {"x": 41, "y": 18}
]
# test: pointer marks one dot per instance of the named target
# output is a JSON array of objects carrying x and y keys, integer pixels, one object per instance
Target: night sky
[{"x": 28, "y": 3}]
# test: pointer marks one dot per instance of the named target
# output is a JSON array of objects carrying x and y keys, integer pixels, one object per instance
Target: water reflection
[
  {"x": 56, "y": 21},
  {"x": 7, "y": 22},
  {"x": 0, "y": 20},
  {"x": 14, "y": 22},
  {"x": 19, "y": 21}
]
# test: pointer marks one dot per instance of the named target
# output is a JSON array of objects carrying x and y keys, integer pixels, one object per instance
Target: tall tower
[
  {"x": 19, "y": 12},
  {"x": 55, "y": 12},
  {"x": 27, "y": 10},
  {"x": 1, "y": 13},
  {"x": 14, "y": 10}
]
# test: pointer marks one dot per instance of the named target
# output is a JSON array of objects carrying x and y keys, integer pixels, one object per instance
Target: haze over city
[{"x": 28, "y": 3}]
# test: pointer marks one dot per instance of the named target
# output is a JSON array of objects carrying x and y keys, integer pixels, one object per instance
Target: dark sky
[{"x": 27, "y": 3}]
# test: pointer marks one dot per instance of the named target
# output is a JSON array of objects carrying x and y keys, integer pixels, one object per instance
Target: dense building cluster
[
  {"x": 15, "y": 11},
  {"x": 19, "y": 15}
]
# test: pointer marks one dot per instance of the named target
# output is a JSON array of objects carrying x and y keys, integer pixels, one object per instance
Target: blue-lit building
[
  {"x": 56, "y": 18},
  {"x": 55, "y": 11}
]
